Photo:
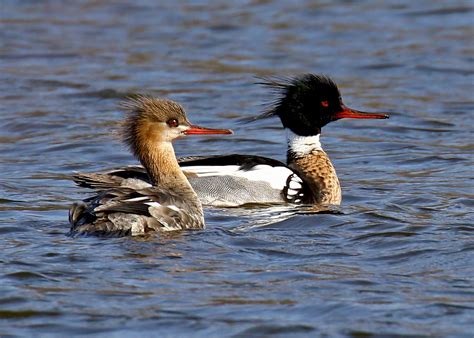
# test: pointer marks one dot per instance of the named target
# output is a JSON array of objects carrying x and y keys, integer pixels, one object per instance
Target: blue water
[{"x": 399, "y": 259}]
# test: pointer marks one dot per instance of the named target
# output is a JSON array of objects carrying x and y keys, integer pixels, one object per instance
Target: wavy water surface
[{"x": 395, "y": 261}]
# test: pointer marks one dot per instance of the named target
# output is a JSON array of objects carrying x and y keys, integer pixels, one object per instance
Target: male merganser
[
  {"x": 305, "y": 104},
  {"x": 170, "y": 203}
]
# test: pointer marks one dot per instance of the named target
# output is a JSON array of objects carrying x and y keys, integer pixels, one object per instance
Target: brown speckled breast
[{"x": 317, "y": 170}]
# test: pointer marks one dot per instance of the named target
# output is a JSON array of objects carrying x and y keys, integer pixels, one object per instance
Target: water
[{"x": 397, "y": 261}]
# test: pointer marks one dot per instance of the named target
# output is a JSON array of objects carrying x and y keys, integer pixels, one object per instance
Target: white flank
[
  {"x": 302, "y": 145},
  {"x": 294, "y": 188},
  {"x": 275, "y": 176},
  {"x": 295, "y": 184}
]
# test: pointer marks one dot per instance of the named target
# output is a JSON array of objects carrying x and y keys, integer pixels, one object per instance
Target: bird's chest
[{"x": 320, "y": 175}]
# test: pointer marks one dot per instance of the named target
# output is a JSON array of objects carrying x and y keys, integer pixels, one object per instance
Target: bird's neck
[
  {"x": 299, "y": 146},
  {"x": 159, "y": 160},
  {"x": 306, "y": 156}
]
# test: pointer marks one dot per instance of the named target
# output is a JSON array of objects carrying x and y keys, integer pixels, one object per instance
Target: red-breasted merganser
[
  {"x": 169, "y": 202},
  {"x": 305, "y": 104}
]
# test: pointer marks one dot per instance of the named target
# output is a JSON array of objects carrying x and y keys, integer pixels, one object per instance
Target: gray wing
[
  {"x": 134, "y": 177},
  {"x": 230, "y": 191},
  {"x": 125, "y": 212}
]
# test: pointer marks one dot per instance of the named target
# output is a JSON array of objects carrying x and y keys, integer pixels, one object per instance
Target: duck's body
[
  {"x": 125, "y": 211},
  {"x": 305, "y": 105},
  {"x": 220, "y": 180},
  {"x": 167, "y": 201},
  {"x": 308, "y": 178}
]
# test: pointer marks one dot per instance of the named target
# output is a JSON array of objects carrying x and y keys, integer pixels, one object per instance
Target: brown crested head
[{"x": 152, "y": 120}]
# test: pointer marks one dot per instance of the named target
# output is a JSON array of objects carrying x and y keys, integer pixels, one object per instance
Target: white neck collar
[{"x": 302, "y": 145}]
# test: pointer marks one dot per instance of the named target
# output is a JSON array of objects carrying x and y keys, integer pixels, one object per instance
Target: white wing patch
[
  {"x": 275, "y": 176},
  {"x": 153, "y": 204},
  {"x": 156, "y": 204},
  {"x": 138, "y": 199}
]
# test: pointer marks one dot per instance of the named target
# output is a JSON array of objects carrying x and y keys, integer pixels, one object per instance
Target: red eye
[
  {"x": 325, "y": 104},
  {"x": 172, "y": 123}
]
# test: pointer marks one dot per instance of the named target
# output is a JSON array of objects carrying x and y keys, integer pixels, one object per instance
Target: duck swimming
[
  {"x": 167, "y": 201},
  {"x": 305, "y": 104}
]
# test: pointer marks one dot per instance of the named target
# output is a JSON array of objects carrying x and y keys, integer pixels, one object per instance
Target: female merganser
[
  {"x": 305, "y": 105},
  {"x": 170, "y": 203}
]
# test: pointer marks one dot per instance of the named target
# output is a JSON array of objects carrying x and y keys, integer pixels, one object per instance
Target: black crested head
[{"x": 306, "y": 103}]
